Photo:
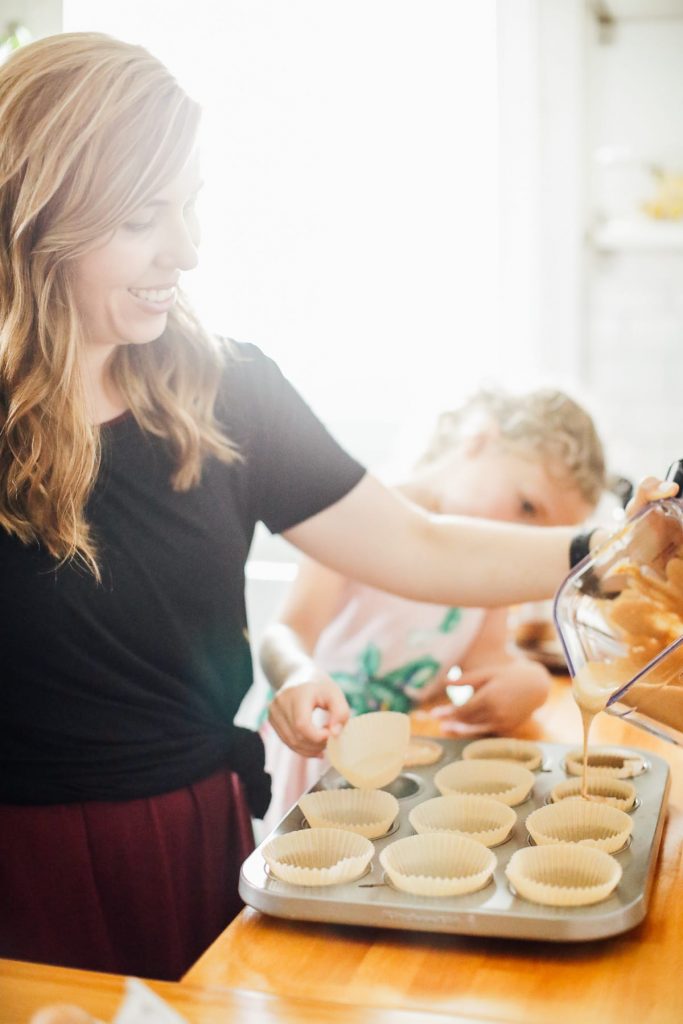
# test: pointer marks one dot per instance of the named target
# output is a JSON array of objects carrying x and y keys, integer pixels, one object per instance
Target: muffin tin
[{"x": 495, "y": 910}]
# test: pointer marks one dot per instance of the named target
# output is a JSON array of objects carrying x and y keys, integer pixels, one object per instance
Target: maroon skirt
[{"x": 137, "y": 887}]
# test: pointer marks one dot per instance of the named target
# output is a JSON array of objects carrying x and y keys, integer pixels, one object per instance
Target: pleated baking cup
[
  {"x": 602, "y": 788},
  {"x": 438, "y": 865},
  {"x": 421, "y": 752},
  {"x": 479, "y": 817},
  {"x": 503, "y": 780},
  {"x": 523, "y": 752},
  {"x": 318, "y": 856},
  {"x": 576, "y": 820},
  {"x": 370, "y": 750},
  {"x": 565, "y": 875},
  {"x": 368, "y": 812},
  {"x": 618, "y": 764}
]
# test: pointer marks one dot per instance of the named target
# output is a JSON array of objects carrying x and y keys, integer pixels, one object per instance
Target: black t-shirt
[{"x": 128, "y": 688}]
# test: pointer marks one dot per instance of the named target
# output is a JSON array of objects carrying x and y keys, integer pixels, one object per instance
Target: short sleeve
[{"x": 294, "y": 467}]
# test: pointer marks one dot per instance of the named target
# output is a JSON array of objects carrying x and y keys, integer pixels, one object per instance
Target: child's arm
[
  {"x": 507, "y": 687},
  {"x": 286, "y": 658}
]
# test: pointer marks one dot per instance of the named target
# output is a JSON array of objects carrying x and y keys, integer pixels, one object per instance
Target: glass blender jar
[{"x": 619, "y": 616}]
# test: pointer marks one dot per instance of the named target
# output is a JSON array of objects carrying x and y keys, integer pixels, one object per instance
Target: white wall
[
  {"x": 541, "y": 54},
  {"x": 350, "y": 209},
  {"x": 635, "y": 324},
  {"x": 41, "y": 17}
]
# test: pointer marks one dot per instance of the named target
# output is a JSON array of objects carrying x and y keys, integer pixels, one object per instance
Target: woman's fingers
[{"x": 650, "y": 489}]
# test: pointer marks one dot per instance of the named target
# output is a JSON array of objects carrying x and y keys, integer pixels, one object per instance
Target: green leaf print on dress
[
  {"x": 450, "y": 620},
  {"x": 367, "y": 690},
  {"x": 425, "y": 637}
]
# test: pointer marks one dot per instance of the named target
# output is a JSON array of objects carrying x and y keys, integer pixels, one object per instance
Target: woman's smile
[{"x": 155, "y": 300}]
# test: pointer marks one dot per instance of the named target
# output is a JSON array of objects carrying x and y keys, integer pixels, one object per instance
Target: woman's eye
[{"x": 138, "y": 225}]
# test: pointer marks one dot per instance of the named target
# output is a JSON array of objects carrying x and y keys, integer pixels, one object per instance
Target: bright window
[{"x": 350, "y": 213}]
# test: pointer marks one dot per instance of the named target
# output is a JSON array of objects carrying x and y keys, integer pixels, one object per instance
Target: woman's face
[
  {"x": 488, "y": 480},
  {"x": 127, "y": 284}
]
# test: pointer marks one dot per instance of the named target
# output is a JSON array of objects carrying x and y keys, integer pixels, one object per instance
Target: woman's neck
[{"x": 105, "y": 401}]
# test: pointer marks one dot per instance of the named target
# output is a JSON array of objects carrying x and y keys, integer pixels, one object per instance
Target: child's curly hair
[{"x": 545, "y": 423}]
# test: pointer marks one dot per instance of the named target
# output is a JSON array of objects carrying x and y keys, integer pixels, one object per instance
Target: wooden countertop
[
  {"x": 635, "y": 977},
  {"x": 25, "y": 988}
]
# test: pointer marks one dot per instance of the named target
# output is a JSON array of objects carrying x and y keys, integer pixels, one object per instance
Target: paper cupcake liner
[
  {"x": 479, "y": 817},
  {"x": 421, "y": 752},
  {"x": 619, "y": 764},
  {"x": 565, "y": 875},
  {"x": 503, "y": 780},
  {"x": 367, "y": 812},
  {"x": 438, "y": 865},
  {"x": 318, "y": 856},
  {"x": 523, "y": 752},
  {"x": 370, "y": 749},
  {"x": 576, "y": 820},
  {"x": 602, "y": 788}
]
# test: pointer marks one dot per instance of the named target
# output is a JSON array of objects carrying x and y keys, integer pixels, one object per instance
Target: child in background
[{"x": 533, "y": 458}]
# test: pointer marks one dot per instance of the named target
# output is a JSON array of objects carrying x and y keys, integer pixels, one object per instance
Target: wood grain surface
[{"x": 25, "y": 988}]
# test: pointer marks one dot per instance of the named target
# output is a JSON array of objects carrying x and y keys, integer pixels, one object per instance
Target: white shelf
[{"x": 638, "y": 234}]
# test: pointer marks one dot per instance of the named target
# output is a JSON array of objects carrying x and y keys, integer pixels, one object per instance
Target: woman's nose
[{"x": 180, "y": 250}]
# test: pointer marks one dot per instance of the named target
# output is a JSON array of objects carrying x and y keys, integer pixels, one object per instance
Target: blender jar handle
[{"x": 675, "y": 474}]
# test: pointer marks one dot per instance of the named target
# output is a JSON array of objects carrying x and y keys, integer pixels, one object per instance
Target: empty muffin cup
[
  {"x": 370, "y": 750},
  {"x": 601, "y": 788},
  {"x": 576, "y": 820},
  {"x": 523, "y": 752},
  {"x": 421, "y": 752},
  {"x": 479, "y": 817},
  {"x": 318, "y": 856},
  {"x": 565, "y": 875},
  {"x": 367, "y": 812},
  {"x": 620, "y": 764},
  {"x": 438, "y": 865},
  {"x": 503, "y": 780}
]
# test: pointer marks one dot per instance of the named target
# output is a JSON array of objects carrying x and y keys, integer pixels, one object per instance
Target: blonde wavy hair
[
  {"x": 546, "y": 424},
  {"x": 90, "y": 129}
]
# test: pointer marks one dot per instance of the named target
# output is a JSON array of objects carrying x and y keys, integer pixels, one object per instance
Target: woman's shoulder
[
  {"x": 249, "y": 379},
  {"x": 244, "y": 359}
]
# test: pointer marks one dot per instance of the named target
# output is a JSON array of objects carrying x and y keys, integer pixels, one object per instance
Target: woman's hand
[
  {"x": 650, "y": 489},
  {"x": 292, "y": 711},
  {"x": 504, "y": 696}
]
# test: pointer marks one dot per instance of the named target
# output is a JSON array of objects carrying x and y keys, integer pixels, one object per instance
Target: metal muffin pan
[{"x": 494, "y": 910}]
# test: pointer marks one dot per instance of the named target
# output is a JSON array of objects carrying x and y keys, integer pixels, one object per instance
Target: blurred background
[{"x": 407, "y": 199}]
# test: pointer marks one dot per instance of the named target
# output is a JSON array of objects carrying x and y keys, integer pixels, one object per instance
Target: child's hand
[
  {"x": 291, "y": 712},
  {"x": 504, "y": 695}
]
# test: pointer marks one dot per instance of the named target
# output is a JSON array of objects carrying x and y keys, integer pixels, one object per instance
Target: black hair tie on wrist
[{"x": 580, "y": 547}]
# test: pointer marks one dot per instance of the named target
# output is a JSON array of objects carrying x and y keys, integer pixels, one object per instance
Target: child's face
[{"x": 486, "y": 480}]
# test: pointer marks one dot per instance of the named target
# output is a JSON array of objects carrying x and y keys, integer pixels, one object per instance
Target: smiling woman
[
  {"x": 98, "y": 203},
  {"x": 350, "y": 155}
]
